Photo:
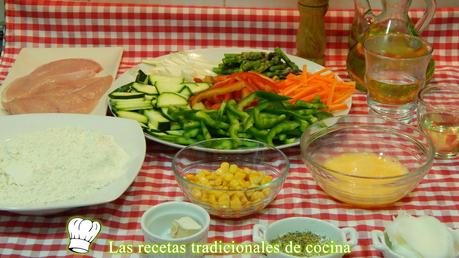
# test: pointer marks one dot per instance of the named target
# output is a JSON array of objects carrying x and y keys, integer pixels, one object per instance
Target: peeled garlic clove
[{"x": 184, "y": 227}]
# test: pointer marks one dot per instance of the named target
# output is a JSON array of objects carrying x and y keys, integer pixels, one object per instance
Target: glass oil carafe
[{"x": 393, "y": 18}]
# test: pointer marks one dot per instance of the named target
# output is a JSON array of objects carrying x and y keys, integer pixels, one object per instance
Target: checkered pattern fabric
[{"x": 147, "y": 31}]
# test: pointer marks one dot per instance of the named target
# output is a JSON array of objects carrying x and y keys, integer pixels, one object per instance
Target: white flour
[{"x": 57, "y": 164}]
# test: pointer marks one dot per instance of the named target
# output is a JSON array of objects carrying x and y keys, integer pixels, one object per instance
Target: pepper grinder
[{"x": 310, "y": 37}]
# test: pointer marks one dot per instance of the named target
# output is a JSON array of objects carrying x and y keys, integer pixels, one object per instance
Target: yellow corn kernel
[
  {"x": 224, "y": 200},
  {"x": 240, "y": 196},
  {"x": 266, "y": 179},
  {"x": 255, "y": 178},
  {"x": 239, "y": 175},
  {"x": 212, "y": 198},
  {"x": 218, "y": 173},
  {"x": 234, "y": 184},
  {"x": 228, "y": 177},
  {"x": 253, "y": 185},
  {"x": 243, "y": 199},
  {"x": 235, "y": 203},
  {"x": 211, "y": 176},
  {"x": 245, "y": 184},
  {"x": 233, "y": 168},
  {"x": 249, "y": 193},
  {"x": 202, "y": 174},
  {"x": 196, "y": 193},
  {"x": 224, "y": 167},
  {"x": 218, "y": 181},
  {"x": 266, "y": 191},
  {"x": 190, "y": 177},
  {"x": 204, "y": 197},
  {"x": 256, "y": 196},
  {"x": 203, "y": 181}
]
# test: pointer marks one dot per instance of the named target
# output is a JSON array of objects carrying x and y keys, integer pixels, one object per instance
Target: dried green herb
[{"x": 300, "y": 238}]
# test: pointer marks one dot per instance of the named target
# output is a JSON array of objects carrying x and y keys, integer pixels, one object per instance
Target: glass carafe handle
[
  {"x": 431, "y": 5},
  {"x": 364, "y": 7}
]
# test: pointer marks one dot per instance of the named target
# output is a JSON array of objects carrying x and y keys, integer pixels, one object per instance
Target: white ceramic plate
[
  {"x": 119, "y": 128},
  {"x": 215, "y": 55},
  {"x": 31, "y": 58}
]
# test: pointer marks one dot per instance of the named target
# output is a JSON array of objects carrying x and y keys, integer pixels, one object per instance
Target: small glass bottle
[{"x": 310, "y": 37}]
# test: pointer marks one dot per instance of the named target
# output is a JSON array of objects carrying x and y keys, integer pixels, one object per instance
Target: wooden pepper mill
[{"x": 310, "y": 37}]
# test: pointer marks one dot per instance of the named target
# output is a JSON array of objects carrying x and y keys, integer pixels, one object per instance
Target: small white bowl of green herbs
[{"x": 304, "y": 237}]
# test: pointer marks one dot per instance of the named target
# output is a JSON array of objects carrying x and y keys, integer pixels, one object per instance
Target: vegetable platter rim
[{"x": 215, "y": 55}]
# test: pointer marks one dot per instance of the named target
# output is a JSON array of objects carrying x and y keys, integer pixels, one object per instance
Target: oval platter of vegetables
[{"x": 195, "y": 95}]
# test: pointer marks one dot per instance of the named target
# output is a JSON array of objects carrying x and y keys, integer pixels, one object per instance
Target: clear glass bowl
[
  {"x": 390, "y": 139},
  {"x": 259, "y": 156}
]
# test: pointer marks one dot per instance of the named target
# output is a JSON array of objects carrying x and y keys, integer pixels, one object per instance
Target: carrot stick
[
  {"x": 332, "y": 92},
  {"x": 288, "y": 91},
  {"x": 336, "y": 107},
  {"x": 342, "y": 98},
  {"x": 313, "y": 95},
  {"x": 305, "y": 92},
  {"x": 322, "y": 83}
]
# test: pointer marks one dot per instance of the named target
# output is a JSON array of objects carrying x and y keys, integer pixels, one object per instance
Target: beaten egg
[{"x": 364, "y": 175}]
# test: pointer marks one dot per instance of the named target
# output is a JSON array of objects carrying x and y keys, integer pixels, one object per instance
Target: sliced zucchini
[
  {"x": 127, "y": 101},
  {"x": 154, "y": 101},
  {"x": 155, "y": 115},
  {"x": 131, "y": 104},
  {"x": 125, "y": 88},
  {"x": 148, "y": 89},
  {"x": 150, "y": 97},
  {"x": 197, "y": 86},
  {"x": 168, "y": 99},
  {"x": 133, "y": 115},
  {"x": 185, "y": 92},
  {"x": 166, "y": 83},
  {"x": 156, "y": 121},
  {"x": 159, "y": 126},
  {"x": 141, "y": 77},
  {"x": 126, "y": 95}
]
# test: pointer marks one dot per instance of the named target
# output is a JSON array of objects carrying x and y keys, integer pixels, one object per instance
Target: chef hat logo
[{"x": 81, "y": 234}]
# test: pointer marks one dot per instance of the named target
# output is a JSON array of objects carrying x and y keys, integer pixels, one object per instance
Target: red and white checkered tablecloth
[{"x": 152, "y": 30}]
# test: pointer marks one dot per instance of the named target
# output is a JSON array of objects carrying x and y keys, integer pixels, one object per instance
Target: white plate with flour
[{"x": 53, "y": 162}]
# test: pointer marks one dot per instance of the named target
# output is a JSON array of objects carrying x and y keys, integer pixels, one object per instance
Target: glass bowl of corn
[{"x": 230, "y": 184}]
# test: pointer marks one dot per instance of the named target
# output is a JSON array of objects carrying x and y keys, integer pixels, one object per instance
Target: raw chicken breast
[
  {"x": 65, "y": 69},
  {"x": 64, "y": 86}
]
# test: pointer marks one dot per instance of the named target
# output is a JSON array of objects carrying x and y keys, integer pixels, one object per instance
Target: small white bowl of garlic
[{"x": 416, "y": 237}]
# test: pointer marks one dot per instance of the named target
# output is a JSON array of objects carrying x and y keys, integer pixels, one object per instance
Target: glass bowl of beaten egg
[
  {"x": 231, "y": 182},
  {"x": 365, "y": 160}
]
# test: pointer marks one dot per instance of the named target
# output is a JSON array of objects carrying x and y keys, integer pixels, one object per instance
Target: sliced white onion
[
  {"x": 421, "y": 237},
  {"x": 181, "y": 64}
]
